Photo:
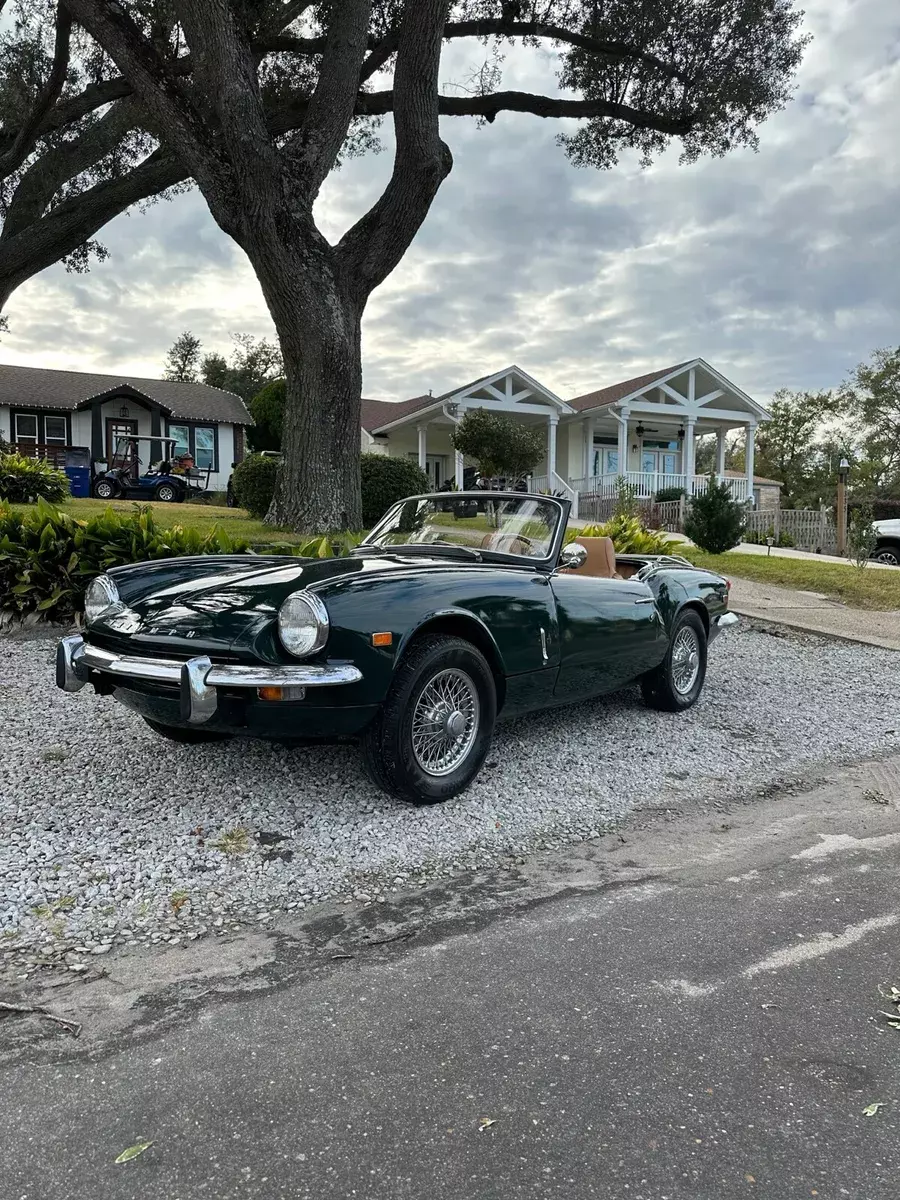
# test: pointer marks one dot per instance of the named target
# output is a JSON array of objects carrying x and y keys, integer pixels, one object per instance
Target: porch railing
[
  {"x": 54, "y": 453},
  {"x": 648, "y": 484}
]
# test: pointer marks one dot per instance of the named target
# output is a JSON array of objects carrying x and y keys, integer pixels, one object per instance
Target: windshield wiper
[{"x": 435, "y": 547}]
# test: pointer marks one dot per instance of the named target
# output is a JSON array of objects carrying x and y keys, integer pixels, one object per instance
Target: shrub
[
  {"x": 267, "y": 410},
  {"x": 862, "y": 538},
  {"x": 254, "y": 483},
  {"x": 24, "y": 480},
  {"x": 667, "y": 495},
  {"x": 47, "y": 558},
  {"x": 385, "y": 481},
  {"x": 715, "y": 522},
  {"x": 751, "y": 537},
  {"x": 628, "y": 535}
]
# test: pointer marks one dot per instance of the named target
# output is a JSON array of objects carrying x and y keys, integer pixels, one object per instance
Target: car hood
[
  {"x": 890, "y": 525},
  {"x": 223, "y": 604}
]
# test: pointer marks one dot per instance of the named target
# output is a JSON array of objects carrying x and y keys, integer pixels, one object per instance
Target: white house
[
  {"x": 43, "y": 412},
  {"x": 644, "y": 428}
]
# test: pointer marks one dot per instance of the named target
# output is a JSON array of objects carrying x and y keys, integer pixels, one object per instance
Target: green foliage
[
  {"x": 872, "y": 396},
  {"x": 667, "y": 495},
  {"x": 254, "y": 483},
  {"x": 861, "y": 536},
  {"x": 626, "y": 498},
  {"x": 791, "y": 447},
  {"x": 715, "y": 521},
  {"x": 500, "y": 445},
  {"x": 183, "y": 358},
  {"x": 267, "y": 410},
  {"x": 753, "y": 538},
  {"x": 23, "y": 480},
  {"x": 47, "y": 558},
  {"x": 385, "y": 481},
  {"x": 629, "y": 536}
]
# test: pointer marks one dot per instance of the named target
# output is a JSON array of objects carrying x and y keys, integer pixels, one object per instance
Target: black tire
[
  {"x": 105, "y": 489},
  {"x": 661, "y": 687},
  {"x": 167, "y": 493},
  {"x": 389, "y": 753},
  {"x": 188, "y": 737},
  {"x": 887, "y": 552}
]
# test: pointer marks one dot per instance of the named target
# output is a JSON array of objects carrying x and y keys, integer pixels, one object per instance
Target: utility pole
[{"x": 840, "y": 516}]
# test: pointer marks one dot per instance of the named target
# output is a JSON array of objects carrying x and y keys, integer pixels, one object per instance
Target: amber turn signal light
[
  {"x": 382, "y": 639},
  {"x": 269, "y": 693}
]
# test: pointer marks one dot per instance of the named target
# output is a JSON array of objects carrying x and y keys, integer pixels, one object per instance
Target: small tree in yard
[
  {"x": 258, "y": 100},
  {"x": 500, "y": 445},
  {"x": 861, "y": 537},
  {"x": 715, "y": 521}
]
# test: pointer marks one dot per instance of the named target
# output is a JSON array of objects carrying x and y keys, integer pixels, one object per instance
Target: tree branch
[
  {"x": 377, "y": 243},
  {"x": 28, "y": 133},
  {"x": 377, "y": 104},
  {"x": 155, "y": 79},
  {"x": 73, "y": 222},
  {"x": 59, "y": 164},
  {"x": 332, "y": 104}
]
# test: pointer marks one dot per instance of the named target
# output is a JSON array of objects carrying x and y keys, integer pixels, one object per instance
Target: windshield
[{"x": 523, "y": 525}]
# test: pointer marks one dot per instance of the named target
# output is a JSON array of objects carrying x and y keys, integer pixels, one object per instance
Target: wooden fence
[
  {"x": 807, "y": 528},
  {"x": 810, "y": 529}
]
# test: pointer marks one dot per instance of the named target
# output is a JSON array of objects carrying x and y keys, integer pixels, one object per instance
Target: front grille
[{"x": 135, "y": 649}]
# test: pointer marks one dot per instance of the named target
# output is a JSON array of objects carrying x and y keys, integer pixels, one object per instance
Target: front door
[
  {"x": 434, "y": 469},
  {"x": 118, "y": 427},
  {"x": 610, "y": 633}
]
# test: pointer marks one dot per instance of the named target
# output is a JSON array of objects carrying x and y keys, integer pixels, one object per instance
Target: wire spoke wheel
[
  {"x": 685, "y": 660},
  {"x": 445, "y": 722}
]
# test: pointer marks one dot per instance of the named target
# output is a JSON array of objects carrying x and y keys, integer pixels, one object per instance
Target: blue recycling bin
[{"x": 78, "y": 470}]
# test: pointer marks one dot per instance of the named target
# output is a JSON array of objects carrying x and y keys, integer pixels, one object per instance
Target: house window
[
  {"x": 55, "y": 432},
  {"x": 197, "y": 440},
  {"x": 41, "y": 429},
  {"x": 26, "y": 427}
]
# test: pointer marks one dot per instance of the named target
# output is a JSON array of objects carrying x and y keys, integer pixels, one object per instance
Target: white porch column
[
  {"x": 552, "y": 423},
  {"x": 750, "y": 458},
  {"x": 422, "y": 431},
  {"x": 720, "y": 452},
  {"x": 459, "y": 466},
  {"x": 624, "y": 414},
  {"x": 689, "y": 457},
  {"x": 588, "y": 448}
]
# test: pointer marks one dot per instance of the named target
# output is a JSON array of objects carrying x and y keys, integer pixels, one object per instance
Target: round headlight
[
  {"x": 101, "y": 595},
  {"x": 303, "y": 624}
]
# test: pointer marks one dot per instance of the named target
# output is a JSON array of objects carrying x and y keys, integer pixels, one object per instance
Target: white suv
[{"x": 887, "y": 548}]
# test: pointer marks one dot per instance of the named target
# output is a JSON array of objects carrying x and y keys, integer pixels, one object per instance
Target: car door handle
[{"x": 645, "y": 600}]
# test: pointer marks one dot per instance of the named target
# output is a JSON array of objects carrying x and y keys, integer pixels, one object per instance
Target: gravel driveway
[{"x": 111, "y": 835}]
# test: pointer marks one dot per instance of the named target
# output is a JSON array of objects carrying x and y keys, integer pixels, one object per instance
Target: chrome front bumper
[{"x": 197, "y": 678}]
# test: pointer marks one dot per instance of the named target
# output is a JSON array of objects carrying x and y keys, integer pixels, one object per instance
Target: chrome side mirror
[{"x": 572, "y": 557}]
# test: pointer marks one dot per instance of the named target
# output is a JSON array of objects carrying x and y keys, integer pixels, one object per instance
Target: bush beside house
[
  {"x": 715, "y": 522},
  {"x": 387, "y": 480},
  {"x": 24, "y": 480},
  {"x": 253, "y": 483}
]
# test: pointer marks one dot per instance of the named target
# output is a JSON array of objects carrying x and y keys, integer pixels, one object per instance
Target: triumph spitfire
[{"x": 454, "y": 612}]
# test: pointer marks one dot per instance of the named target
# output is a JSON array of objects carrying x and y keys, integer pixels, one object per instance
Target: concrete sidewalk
[{"x": 815, "y": 613}]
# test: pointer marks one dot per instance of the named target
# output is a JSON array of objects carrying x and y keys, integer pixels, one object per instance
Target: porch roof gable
[
  {"x": 508, "y": 390},
  {"x": 632, "y": 391}
]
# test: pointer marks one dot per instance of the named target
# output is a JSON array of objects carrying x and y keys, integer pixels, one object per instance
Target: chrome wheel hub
[
  {"x": 685, "y": 660},
  {"x": 445, "y": 722}
]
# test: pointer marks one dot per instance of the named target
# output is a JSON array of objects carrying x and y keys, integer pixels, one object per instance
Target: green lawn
[
  {"x": 867, "y": 588},
  {"x": 234, "y": 521}
]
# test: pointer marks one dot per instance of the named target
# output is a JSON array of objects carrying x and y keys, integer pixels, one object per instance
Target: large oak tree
[{"x": 256, "y": 100}]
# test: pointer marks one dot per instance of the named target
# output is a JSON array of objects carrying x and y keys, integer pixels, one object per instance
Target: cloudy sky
[{"x": 781, "y": 268}]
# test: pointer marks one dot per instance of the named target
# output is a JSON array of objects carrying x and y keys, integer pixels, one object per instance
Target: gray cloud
[{"x": 782, "y": 267}]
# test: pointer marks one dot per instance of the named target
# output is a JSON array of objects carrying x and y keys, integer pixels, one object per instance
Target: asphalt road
[{"x": 697, "y": 1019}]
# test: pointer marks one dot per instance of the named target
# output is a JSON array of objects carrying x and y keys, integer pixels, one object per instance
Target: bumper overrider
[{"x": 197, "y": 678}]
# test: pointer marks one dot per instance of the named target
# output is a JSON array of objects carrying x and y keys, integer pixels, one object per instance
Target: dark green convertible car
[{"x": 457, "y": 609}]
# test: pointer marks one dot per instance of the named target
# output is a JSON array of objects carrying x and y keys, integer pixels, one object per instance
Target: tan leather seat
[
  {"x": 504, "y": 543},
  {"x": 601, "y": 558}
]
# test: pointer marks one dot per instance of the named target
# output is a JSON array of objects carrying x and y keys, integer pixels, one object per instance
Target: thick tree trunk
[{"x": 318, "y": 326}]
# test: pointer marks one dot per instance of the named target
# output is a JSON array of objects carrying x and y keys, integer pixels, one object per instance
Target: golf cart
[{"x": 170, "y": 480}]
